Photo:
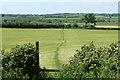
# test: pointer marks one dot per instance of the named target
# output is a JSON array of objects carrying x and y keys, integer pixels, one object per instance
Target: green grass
[
  {"x": 107, "y": 24},
  {"x": 57, "y": 45},
  {"x": 99, "y": 24}
]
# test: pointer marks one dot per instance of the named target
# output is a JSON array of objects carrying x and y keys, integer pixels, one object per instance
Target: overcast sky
[{"x": 58, "y": 6}]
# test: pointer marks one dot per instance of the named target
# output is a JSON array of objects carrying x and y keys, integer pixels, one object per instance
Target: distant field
[
  {"x": 102, "y": 19},
  {"x": 102, "y": 24},
  {"x": 57, "y": 45},
  {"x": 107, "y": 26},
  {"x": 65, "y": 18}
]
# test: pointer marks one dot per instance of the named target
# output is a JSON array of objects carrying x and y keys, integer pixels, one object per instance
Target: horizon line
[{"x": 64, "y": 13}]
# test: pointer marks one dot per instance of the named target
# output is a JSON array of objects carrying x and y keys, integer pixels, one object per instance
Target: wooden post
[
  {"x": 37, "y": 55},
  {"x": 37, "y": 46}
]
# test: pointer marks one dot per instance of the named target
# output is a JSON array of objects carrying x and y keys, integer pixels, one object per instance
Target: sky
[
  {"x": 59, "y": 0},
  {"x": 58, "y": 6}
]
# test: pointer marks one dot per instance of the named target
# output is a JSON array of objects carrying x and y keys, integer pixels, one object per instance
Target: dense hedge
[
  {"x": 20, "y": 63},
  {"x": 41, "y": 25},
  {"x": 90, "y": 62},
  {"x": 50, "y": 25},
  {"x": 31, "y": 25}
]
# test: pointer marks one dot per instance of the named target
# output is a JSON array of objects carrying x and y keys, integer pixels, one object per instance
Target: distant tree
[
  {"x": 60, "y": 21},
  {"x": 109, "y": 15},
  {"x": 25, "y": 20},
  {"x": 68, "y": 26},
  {"x": 29, "y": 21},
  {"x": 49, "y": 21},
  {"x": 5, "y": 20},
  {"x": 89, "y": 19},
  {"x": 75, "y": 25}
]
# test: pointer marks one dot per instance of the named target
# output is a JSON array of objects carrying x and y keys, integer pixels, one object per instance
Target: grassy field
[
  {"x": 107, "y": 26},
  {"x": 57, "y": 45},
  {"x": 101, "y": 24}
]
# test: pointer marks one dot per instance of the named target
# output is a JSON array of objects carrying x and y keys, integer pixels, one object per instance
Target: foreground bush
[
  {"x": 90, "y": 62},
  {"x": 20, "y": 63}
]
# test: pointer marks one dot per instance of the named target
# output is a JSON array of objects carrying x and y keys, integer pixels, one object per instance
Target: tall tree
[{"x": 89, "y": 19}]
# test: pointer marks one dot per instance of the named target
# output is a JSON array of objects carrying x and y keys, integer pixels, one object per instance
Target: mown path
[{"x": 56, "y": 56}]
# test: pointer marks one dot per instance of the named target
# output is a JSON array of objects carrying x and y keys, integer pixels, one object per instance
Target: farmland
[
  {"x": 62, "y": 40},
  {"x": 68, "y": 39},
  {"x": 57, "y": 45},
  {"x": 102, "y": 19}
]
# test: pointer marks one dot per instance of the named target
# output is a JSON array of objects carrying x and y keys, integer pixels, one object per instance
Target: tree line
[
  {"x": 56, "y": 18},
  {"x": 37, "y": 25},
  {"x": 88, "y": 19}
]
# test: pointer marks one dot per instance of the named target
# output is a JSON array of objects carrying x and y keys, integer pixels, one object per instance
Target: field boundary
[
  {"x": 56, "y": 57},
  {"x": 105, "y": 28},
  {"x": 96, "y": 28},
  {"x": 38, "y": 63}
]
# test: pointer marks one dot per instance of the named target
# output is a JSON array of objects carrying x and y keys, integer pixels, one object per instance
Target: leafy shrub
[
  {"x": 90, "y": 62},
  {"x": 88, "y": 27},
  {"x": 14, "y": 74},
  {"x": 20, "y": 62},
  {"x": 31, "y": 25}
]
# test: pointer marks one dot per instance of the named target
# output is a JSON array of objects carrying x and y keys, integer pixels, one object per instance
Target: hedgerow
[
  {"x": 92, "y": 62},
  {"x": 88, "y": 62},
  {"x": 20, "y": 63}
]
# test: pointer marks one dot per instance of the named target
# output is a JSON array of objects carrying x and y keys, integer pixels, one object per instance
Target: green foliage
[
  {"x": 51, "y": 20},
  {"x": 102, "y": 19},
  {"x": 14, "y": 74},
  {"x": 75, "y": 25},
  {"x": 90, "y": 62},
  {"x": 20, "y": 62},
  {"x": 89, "y": 19},
  {"x": 34, "y": 24},
  {"x": 89, "y": 27}
]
